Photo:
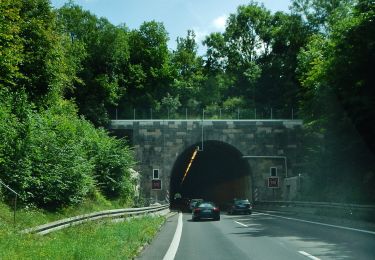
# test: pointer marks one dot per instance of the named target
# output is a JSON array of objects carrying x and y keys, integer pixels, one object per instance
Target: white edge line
[
  {"x": 308, "y": 255},
  {"x": 172, "y": 250},
  {"x": 239, "y": 223},
  {"x": 323, "y": 224}
]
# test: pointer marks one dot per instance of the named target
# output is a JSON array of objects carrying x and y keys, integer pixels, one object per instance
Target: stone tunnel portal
[{"x": 218, "y": 174}]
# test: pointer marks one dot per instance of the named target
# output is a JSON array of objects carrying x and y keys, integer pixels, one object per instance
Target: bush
[
  {"x": 112, "y": 161},
  {"x": 52, "y": 169},
  {"x": 57, "y": 159}
]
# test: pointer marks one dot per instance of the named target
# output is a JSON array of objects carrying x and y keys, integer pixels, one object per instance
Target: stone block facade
[{"x": 158, "y": 143}]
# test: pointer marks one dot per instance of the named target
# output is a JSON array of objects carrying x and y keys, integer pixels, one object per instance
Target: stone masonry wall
[{"x": 158, "y": 143}]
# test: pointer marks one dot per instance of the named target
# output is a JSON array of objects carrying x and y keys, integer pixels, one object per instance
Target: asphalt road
[{"x": 260, "y": 236}]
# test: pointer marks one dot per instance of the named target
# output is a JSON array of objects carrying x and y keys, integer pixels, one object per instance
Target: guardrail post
[
  {"x": 15, "y": 209},
  {"x": 292, "y": 114},
  {"x": 15, "y": 200}
]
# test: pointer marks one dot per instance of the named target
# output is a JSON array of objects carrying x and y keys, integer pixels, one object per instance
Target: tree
[
  {"x": 100, "y": 53},
  {"x": 10, "y": 43},
  {"x": 256, "y": 57},
  {"x": 52, "y": 157},
  {"x": 338, "y": 101},
  {"x": 189, "y": 78},
  {"x": 319, "y": 14},
  {"x": 33, "y": 57},
  {"x": 278, "y": 78},
  {"x": 150, "y": 73}
]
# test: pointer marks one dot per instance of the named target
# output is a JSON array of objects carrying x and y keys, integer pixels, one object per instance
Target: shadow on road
[{"x": 331, "y": 242}]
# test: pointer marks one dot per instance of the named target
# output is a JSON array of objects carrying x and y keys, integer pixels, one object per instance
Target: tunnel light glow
[{"x": 189, "y": 165}]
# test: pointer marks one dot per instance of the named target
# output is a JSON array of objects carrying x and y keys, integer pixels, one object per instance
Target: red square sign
[
  {"x": 156, "y": 184},
  {"x": 273, "y": 182}
]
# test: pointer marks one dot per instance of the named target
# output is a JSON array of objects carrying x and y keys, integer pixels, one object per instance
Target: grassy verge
[
  {"x": 31, "y": 217},
  {"x": 97, "y": 240}
]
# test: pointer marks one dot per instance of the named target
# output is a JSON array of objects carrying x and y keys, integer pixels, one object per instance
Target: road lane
[
  {"x": 319, "y": 241},
  {"x": 218, "y": 240},
  {"x": 263, "y": 236},
  {"x": 205, "y": 240}
]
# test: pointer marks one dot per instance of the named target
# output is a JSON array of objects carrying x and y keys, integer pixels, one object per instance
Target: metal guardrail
[
  {"x": 329, "y": 209},
  {"x": 15, "y": 199},
  {"x": 318, "y": 204},
  {"x": 114, "y": 213}
]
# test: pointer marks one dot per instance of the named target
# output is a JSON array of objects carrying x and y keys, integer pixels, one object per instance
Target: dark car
[
  {"x": 181, "y": 204},
  {"x": 206, "y": 210},
  {"x": 240, "y": 206},
  {"x": 193, "y": 203}
]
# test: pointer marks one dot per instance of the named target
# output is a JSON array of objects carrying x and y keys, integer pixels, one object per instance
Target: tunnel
[{"x": 217, "y": 173}]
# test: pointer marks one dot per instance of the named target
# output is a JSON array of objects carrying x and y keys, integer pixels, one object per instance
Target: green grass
[
  {"x": 27, "y": 217},
  {"x": 95, "y": 240}
]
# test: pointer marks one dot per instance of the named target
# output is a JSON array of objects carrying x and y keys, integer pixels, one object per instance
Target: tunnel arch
[{"x": 218, "y": 173}]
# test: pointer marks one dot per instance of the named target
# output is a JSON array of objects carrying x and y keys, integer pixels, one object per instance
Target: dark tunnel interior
[{"x": 218, "y": 174}]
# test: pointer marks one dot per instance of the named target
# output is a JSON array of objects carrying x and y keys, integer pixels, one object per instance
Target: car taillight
[
  {"x": 216, "y": 209},
  {"x": 197, "y": 209}
]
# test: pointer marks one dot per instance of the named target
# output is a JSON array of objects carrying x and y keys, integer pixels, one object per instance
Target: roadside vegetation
[
  {"x": 27, "y": 216},
  {"x": 94, "y": 240}
]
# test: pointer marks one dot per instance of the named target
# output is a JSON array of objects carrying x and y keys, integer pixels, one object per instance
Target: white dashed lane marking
[
  {"x": 242, "y": 224},
  {"x": 172, "y": 250},
  {"x": 308, "y": 255}
]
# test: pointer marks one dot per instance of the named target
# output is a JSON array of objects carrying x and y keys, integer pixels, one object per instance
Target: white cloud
[
  {"x": 200, "y": 34},
  {"x": 216, "y": 25},
  {"x": 219, "y": 22}
]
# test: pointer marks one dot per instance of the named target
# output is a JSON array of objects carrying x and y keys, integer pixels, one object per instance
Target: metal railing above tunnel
[{"x": 201, "y": 114}]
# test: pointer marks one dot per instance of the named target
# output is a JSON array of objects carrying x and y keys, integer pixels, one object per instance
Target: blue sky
[{"x": 203, "y": 16}]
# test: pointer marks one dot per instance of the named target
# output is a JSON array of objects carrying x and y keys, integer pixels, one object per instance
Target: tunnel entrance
[{"x": 218, "y": 174}]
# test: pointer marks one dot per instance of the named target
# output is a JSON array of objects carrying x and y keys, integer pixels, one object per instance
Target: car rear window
[
  {"x": 206, "y": 205},
  {"x": 242, "y": 202}
]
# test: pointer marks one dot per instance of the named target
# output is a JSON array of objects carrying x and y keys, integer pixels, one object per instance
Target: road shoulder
[{"x": 161, "y": 242}]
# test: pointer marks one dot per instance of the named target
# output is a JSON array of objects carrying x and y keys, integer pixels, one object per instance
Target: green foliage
[
  {"x": 189, "y": 80},
  {"x": 233, "y": 103},
  {"x": 51, "y": 169},
  {"x": 338, "y": 101},
  {"x": 256, "y": 58},
  {"x": 103, "y": 240},
  {"x": 112, "y": 160},
  {"x": 99, "y": 54},
  {"x": 10, "y": 43},
  {"x": 50, "y": 156},
  {"x": 150, "y": 73},
  {"x": 319, "y": 14},
  {"x": 170, "y": 104},
  {"x": 54, "y": 159},
  {"x": 41, "y": 51}
]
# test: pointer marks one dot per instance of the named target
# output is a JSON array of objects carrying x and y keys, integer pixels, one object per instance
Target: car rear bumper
[
  {"x": 206, "y": 215},
  {"x": 245, "y": 211}
]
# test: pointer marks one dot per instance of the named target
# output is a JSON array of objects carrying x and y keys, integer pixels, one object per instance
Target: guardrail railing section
[
  {"x": 329, "y": 209},
  {"x": 114, "y": 213}
]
